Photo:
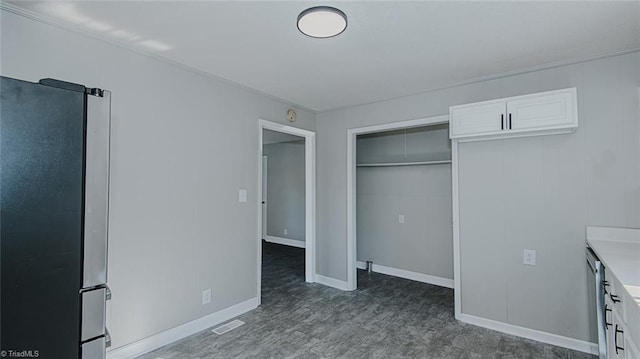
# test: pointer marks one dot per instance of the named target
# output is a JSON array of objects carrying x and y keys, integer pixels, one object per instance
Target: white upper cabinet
[
  {"x": 477, "y": 119},
  {"x": 544, "y": 113},
  {"x": 546, "y": 110}
]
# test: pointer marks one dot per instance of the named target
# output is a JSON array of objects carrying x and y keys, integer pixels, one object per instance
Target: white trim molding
[
  {"x": 544, "y": 337},
  {"x": 285, "y": 241},
  {"x": 455, "y": 195},
  {"x": 172, "y": 335},
  {"x": 332, "y": 282},
  {"x": 402, "y": 273},
  {"x": 351, "y": 183},
  {"x": 309, "y": 199}
]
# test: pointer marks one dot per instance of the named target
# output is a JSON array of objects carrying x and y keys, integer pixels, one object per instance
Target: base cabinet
[
  {"x": 621, "y": 343},
  {"x": 632, "y": 348},
  {"x": 629, "y": 344}
]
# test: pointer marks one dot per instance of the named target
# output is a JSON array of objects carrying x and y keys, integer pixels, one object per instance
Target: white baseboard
[
  {"x": 285, "y": 241},
  {"x": 419, "y": 277},
  {"x": 544, "y": 337},
  {"x": 169, "y": 336},
  {"x": 332, "y": 282}
]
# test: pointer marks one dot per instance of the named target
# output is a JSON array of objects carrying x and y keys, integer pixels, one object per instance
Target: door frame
[
  {"x": 352, "y": 134},
  {"x": 310, "y": 196},
  {"x": 265, "y": 185}
]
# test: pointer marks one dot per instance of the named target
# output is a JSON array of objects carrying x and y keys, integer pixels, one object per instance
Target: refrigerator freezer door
[
  {"x": 94, "y": 305},
  {"x": 94, "y": 349},
  {"x": 96, "y": 190},
  {"x": 41, "y": 146}
]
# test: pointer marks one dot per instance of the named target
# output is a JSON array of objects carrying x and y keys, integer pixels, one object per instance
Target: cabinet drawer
[{"x": 617, "y": 294}]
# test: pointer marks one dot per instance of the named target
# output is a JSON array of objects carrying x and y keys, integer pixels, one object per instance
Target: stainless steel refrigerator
[{"x": 54, "y": 185}]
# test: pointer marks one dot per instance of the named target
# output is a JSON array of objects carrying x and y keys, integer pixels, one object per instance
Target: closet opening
[{"x": 399, "y": 203}]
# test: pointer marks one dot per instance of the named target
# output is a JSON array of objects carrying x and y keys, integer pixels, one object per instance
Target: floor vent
[{"x": 228, "y": 327}]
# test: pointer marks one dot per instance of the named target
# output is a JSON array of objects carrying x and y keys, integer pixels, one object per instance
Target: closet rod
[{"x": 402, "y": 163}]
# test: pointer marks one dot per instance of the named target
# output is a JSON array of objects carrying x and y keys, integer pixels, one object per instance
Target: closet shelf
[{"x": 388, "y": 164}]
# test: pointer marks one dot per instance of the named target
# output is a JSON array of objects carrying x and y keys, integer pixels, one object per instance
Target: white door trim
[
  {"x": 310, "y": 196},
  {"x": 265, "y": 196},
  {"x": 351, "y": 185},
  {"x": 457, "y": 294}
]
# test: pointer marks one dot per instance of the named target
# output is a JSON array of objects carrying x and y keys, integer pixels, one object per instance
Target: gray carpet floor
[{"x": 386, "y": 317}]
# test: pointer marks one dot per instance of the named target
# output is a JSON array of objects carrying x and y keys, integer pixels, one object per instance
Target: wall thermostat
[{"x": 291, "y": 115}]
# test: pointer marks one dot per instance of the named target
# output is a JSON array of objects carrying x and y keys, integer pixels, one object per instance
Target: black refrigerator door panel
[{"x": 41, "y": 151}]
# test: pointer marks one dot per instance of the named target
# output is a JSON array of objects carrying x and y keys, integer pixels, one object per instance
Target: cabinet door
[
  {"x": 632, "y": 349},
  {"x": 547, "y": 110},
  {"x": 619, "y": 338},
  {"x": 477, "y": 119},
  {"x": 610, "y": 324}
]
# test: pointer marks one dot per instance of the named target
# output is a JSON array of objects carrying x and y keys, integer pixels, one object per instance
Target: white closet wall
[{"x": 420, "y": 193}]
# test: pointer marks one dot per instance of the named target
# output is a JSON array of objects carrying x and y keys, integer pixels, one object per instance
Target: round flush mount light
[{"x": 322, "y": 22}]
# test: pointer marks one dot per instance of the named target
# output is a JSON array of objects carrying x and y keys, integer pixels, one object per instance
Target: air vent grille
[{"x": 228, "y": 327}]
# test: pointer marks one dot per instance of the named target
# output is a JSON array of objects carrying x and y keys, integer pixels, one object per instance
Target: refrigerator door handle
[
  {"x": 96, "y": 205},
  {"x": 107, "y": 338},
  {"x": 108, "y": 292}
]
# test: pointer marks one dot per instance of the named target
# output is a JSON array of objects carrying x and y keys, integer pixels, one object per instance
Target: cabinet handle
[
  {"x": 605, "y": 284},
  {"x": 606, "y": 310},
  {"x": 614, "y": 298},
  {"x": 502, "y": 121},
  {"x": 615, "y": 339},
  {"x": 509, "y": 121}
]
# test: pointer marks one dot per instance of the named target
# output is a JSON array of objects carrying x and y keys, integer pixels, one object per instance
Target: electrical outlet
[
  {"x": 401, "y": 218},
  {"x": 206, "y": 296},
  {"x": 242, "y": 195},
  {"x": 529, "y": 257},
  {"x": 285, "y": 231}
]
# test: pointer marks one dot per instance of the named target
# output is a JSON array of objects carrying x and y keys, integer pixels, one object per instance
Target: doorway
[
  {"x": 388, "y": 161},
  {"x": 283, "y": 195},
  {"x": 279, "y": 232}
]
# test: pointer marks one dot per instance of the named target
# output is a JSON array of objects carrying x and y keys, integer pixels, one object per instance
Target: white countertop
[{"x": 619, "y": 251}]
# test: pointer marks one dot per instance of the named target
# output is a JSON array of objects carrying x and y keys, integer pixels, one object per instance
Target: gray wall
[
  {"x": 591, "y": 177},
  {"x": 424, "y": 242},
  {"x": 182, "y": 146},
  {"x": 285, "y": 189}
]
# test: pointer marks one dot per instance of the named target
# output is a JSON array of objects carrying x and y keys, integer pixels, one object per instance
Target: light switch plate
[
  {"x": 242, "y": 195},
  {"x": 401, "y": 218},
  {"x": 529, "y": 257}
]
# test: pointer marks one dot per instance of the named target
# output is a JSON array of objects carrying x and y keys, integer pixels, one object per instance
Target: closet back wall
[{"x": 182, "y": 145}]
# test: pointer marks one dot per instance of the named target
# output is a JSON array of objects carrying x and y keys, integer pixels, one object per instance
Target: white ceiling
[{"x": 389, "y": 50}]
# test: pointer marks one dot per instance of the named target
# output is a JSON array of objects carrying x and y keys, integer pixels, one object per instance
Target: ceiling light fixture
[{"x": 322, "y": 22}]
